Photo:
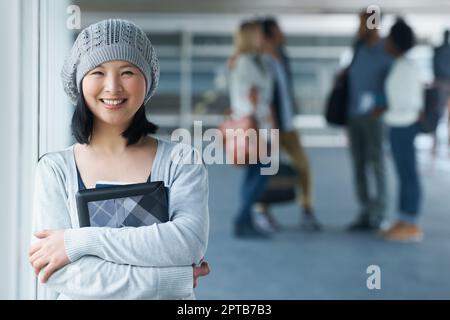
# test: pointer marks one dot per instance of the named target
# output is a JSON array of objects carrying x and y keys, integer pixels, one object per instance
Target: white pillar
[
  {"x": 9, "y": 137},
  {"x": 34, "y": 119}
]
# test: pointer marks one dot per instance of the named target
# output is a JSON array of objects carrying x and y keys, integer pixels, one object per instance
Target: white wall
[
  {"x": 34, "y": 119},
  {"x": 9, "y": 90},
  {"x": 55, "y": 109}
]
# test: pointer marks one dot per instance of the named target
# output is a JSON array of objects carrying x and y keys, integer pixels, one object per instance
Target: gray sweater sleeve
[
  {"x": 179, "y": 242},
  {"x": 93, "y": 277}
]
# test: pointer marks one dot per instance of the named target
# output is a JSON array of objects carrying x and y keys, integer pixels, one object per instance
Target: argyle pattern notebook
[
  {"x": 134, "y": 210},
  {"x": 127, "y": 212}
]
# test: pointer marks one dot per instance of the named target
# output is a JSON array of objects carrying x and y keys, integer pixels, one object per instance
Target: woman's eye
[
  {"x": 128, "y": 72},
  {"x": 97, "y": 73}
]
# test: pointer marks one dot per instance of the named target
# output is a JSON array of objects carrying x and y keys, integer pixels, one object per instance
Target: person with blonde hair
[{"x": 250, "y": 95}]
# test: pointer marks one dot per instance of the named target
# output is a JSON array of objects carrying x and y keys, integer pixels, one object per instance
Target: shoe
[
  {"x": 384, "y": 231},
  {"x": 404, "y": 232},
  {"x": 309, "y": 221},
  {"x": 265, "y": 220},
  {"x": 265, "y": 224},
  {"x": 248, "y": 230}
]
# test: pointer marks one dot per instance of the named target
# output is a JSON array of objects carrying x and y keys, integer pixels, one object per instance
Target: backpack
[{"x": 337, "y": 101}]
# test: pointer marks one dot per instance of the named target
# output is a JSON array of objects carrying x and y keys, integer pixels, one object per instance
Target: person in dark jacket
[
  {"x": 367, "y": 102},
  {"x": 284, "y": 110}
]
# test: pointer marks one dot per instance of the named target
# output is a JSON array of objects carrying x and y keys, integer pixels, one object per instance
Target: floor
[{"x": 332, "y": 264}]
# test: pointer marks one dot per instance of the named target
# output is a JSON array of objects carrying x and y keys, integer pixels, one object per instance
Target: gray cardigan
[{"x": 151, "y": 262}]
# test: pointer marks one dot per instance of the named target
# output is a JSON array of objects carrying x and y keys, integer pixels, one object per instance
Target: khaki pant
[{"x": 291, "y": 143}]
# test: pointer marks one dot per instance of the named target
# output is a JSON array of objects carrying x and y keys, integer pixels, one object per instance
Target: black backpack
[
  {"x": 336, "y": 108},
  {"x": 337, "y": 102}
]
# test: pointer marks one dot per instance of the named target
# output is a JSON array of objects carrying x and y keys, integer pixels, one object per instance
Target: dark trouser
[
  {"x": 404, "y": 155},
  {"x": 366, "y": 135},
  {"x": 253, "y": 186}
]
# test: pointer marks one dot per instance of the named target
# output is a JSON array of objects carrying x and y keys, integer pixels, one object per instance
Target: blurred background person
[
  {"x": 251, "y": 88},
  {"x": 367, "y": 75},
  {"x": 284, "y": 107},
  {"x": 404, "y": 93},
  {"x": 441, "y": 71}
]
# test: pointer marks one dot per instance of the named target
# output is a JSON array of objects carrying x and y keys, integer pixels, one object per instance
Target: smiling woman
[
  {"x": 112, "y": 86},
  {"x": 111, "y": 72}
]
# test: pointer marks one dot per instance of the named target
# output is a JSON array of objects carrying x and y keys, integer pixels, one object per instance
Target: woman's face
[{"x": 114, "y": 91}]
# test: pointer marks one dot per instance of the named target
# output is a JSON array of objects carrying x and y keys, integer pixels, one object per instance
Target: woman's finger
[
  {"x": 195, "y": 282},
  {"x": 205, "y": 268},
  {"x": 48, "y": 272},
  {"x": 35, "y": 256},
  {"x": 42, "y": 234},
  {"x": 39, "y": 264},
  {"x": 35, "y": 247}
]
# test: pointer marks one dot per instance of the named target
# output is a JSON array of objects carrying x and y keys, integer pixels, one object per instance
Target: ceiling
[
  {"x": 311, "y": 17},
  {"x": 264, "y": 6}
]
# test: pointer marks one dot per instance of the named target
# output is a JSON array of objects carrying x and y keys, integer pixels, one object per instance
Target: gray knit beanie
[{"x": 107, "y": 40}]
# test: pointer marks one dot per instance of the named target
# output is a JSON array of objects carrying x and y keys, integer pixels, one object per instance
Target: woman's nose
[{"x": 113, "y": 83}]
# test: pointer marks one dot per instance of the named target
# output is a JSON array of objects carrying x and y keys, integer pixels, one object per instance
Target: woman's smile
[{"x": 113, "y": 104}]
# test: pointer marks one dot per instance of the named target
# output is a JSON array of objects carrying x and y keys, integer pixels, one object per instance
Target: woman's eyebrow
[{"x": 127, "y": 66}]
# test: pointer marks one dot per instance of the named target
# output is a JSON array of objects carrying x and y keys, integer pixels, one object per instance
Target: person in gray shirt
[{"x": 367, "y": 75}]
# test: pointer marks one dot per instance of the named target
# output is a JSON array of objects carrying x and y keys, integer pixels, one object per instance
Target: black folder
[{"x": 130, "y": 205}]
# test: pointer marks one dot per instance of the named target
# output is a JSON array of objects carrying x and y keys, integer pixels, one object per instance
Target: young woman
[
  {"x": 405, "y": 98},
  {"x": 111, "y": 72},
  {"x": 251, "y": 86}
]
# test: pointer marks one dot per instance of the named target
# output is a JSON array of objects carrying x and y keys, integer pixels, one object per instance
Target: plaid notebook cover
[{"x": 132, "y": 211}]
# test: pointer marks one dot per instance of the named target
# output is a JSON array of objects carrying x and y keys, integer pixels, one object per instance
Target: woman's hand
[
  {"x": 200, "y": 271},
  {"x": 48, "y": 253}
]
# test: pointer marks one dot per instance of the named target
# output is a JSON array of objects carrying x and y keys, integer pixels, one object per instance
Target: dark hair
[
  {"x": 83, "y": 124},
  {"x": 267, "y": 26},
  {"x": 402, "y": 35}
]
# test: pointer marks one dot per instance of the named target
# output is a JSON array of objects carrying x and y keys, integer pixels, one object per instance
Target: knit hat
[{"x": 107, "y": 40}]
